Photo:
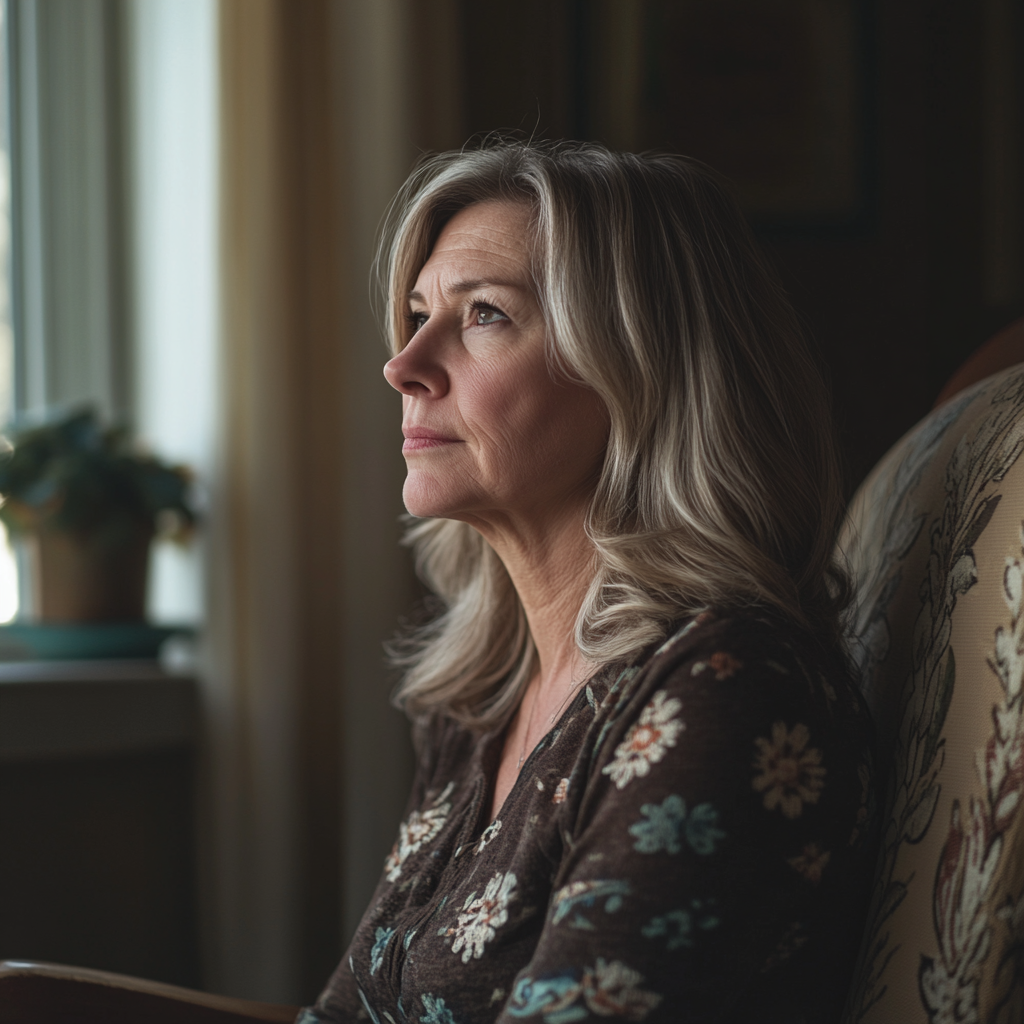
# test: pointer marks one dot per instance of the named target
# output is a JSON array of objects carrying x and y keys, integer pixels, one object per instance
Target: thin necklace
[
  {"x": 574, "y": 685},
  {"x": 526, "y": 738}
]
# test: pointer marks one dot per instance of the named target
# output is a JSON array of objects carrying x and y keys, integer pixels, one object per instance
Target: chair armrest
[{"x": 38, "y": 993}]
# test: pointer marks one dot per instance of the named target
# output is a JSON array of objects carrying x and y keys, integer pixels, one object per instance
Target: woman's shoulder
[
  {"x": 734, "y": 678},
  {"x": 761, "y": 634},
  {"x": 746, "y": 714},
  {"x": 755, "y": 649}
]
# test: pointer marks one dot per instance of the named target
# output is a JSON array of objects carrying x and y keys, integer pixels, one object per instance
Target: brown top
[{"x": 688, "y": 843}]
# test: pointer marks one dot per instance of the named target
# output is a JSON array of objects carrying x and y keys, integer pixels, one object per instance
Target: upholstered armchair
[{"x": 935, "y": 541}]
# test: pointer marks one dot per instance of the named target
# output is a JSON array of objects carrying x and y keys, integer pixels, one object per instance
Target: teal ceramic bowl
[{"x": 83, "y": 641}]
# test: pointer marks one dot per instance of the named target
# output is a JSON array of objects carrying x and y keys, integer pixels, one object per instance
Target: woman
[{"x": 644, "y": 774}]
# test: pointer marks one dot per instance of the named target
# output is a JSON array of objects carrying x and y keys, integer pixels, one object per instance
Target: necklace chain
[{"x": 573, "y": 687}]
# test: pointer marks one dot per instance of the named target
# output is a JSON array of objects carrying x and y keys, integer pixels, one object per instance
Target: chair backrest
[
  {"x": 935, "y": 542},
  {"x": 39, "y": 993}
]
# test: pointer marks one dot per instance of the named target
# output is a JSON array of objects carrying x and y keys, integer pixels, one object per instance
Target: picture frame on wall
[{"x": 775, "y": 94}]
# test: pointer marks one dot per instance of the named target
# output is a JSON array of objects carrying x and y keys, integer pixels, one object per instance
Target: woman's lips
[{"x": 418, "y": 439}]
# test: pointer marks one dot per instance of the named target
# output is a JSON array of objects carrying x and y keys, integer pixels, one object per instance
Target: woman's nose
[{"x": 416, "y": 370}]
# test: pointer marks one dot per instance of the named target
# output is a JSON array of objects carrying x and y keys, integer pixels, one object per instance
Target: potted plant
[{"x": 87, "y": 503}]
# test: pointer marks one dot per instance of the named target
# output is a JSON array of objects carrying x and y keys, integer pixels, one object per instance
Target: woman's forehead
[
  {"x": 484, "y": 244},
  {"x": 497, "y": 226}
]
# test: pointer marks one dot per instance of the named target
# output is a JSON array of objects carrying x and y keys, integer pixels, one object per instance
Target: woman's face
[{"x": 491, "y": 437}]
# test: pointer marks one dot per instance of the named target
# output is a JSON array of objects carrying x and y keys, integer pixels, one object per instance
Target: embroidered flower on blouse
[
  {"x": 677, "y": 926},
  {"x": 487, "y": 835},
  {"x": 561, "y": 792},
  {"x": 791, "y": 774},
  {"x": 606, "y": 989},
  {"x": 481, "y": 917},
  {"x": 792, "y": 939},
  {"x": 810, "y": 862},
  {"x": 722, "y": 664},
  {"x": 437, "y": 1012},
  {"x": 647, "y": 740},
  {"x": 381, "y": 939},
  {"x": 576, "y": 897},
  {"x": 698, "y": 620},
  {"x": 419, "y": 828},
  {"x": 611, "y": 990},
  {"x": 668, "y": 822}
]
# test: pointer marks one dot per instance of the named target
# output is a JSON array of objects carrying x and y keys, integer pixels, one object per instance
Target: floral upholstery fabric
[
  {"x": 689, "y": 843},
  {"x": 935, "y": 540}
]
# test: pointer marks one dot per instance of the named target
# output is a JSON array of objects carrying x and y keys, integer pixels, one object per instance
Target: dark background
[{"x": 875, "y": 146}]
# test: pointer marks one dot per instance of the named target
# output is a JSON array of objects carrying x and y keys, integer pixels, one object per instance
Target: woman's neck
[{"x": 551, "y": 572}]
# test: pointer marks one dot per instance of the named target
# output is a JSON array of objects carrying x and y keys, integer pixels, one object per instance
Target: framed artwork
[{"x": 775, "y": 94}]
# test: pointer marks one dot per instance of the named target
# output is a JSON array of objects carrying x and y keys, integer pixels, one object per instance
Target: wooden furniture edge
[{"x": 273, "y": 1013}]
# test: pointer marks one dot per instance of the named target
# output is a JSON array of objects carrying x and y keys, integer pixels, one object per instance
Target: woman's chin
[{"x": 426, "y": 500}]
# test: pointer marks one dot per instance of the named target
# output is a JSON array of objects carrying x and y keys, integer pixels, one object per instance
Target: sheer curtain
[{"x": 308, "y": 766}]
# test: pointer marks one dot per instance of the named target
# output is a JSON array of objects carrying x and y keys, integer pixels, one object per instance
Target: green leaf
[{"x": 73, "y": 474}]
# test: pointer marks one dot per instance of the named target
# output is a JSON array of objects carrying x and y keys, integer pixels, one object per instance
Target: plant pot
[{"x": 89, "y": 577}]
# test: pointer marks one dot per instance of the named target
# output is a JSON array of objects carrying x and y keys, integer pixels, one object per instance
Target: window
[
  {"x": 112, "y": 117},
  {"x": 8, "y": 569}
]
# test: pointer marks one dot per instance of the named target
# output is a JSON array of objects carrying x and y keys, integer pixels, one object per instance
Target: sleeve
[{"x": 710, "y": 846}]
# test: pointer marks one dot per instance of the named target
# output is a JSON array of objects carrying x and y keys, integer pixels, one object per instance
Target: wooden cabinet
[{"x": 97, "y": 809}]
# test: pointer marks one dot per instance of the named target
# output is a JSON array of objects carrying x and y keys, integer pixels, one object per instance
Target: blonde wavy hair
[{"x": 720, "y": 484}]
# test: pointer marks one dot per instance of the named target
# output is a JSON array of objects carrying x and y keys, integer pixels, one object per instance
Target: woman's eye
[
  {"x": 415, "y": 321},
  {"x": 489, "y": 315}
]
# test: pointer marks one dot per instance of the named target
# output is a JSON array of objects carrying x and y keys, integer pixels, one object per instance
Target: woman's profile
[{"x": 644, "y": 775}]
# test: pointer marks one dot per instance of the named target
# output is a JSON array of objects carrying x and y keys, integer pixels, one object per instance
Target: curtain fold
[
  {"x": 307, "y": 765},
  {"x": 373, "y": 40},
  {"x": 254, "y": 621}
]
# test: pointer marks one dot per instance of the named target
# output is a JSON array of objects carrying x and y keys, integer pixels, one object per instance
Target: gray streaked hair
[{"x": 720, "y": 485}]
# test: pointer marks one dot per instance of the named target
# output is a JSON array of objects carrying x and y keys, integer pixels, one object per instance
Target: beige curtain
[{"x": 308, "y": 767}]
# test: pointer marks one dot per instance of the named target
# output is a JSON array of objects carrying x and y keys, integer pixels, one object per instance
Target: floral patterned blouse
[{"x": 690, "y": 842}]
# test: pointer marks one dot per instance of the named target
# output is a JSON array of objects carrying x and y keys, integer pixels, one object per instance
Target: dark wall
[
  {"x": 876, "y": 148},
  {"x": 896, "y": 307},
  {"x": 97, "y": 866}
]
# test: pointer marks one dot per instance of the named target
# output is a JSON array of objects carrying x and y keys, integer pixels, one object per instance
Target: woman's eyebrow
[{"x": 468, "y": 286}]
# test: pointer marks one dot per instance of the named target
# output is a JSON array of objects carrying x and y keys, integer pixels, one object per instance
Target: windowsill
[{"x": 56, "y": 709}]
